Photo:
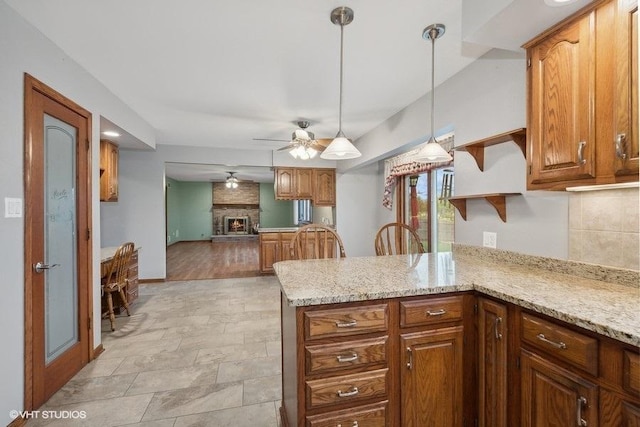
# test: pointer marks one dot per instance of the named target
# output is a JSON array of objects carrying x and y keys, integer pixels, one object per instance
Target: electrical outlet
[{"x": 489, "y": 239}]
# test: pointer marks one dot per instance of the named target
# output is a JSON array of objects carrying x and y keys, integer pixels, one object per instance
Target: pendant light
[
  {"x": 432, "y": 151},
  {"x": 341, "y": 148}
]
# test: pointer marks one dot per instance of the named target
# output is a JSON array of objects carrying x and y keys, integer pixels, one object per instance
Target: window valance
[{"x": 405, "y": 164}]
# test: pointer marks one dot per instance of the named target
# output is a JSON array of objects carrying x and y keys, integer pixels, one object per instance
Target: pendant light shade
[
  {"x": 432, "y": 151},
  {"x": 341, "y": 148}
]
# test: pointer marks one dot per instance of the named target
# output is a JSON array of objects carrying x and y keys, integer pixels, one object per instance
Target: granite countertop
[
  {"x": 606, "y": 301},
  {"x": 278, "y": 229}
]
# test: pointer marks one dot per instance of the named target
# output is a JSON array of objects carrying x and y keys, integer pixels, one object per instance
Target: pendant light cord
[
  {"x": 341, "y": 62},
  {"x": 433, "y": 35}
]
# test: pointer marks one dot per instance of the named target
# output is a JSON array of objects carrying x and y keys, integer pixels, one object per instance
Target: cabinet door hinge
[
  {"x": 475, "y": 308},
  {"x": 528, "y": 62},
  {"x": 88, "y": 234},
  {"x": 529, "y": 169},
  {"x": 90, "y": 323},
  {"x": 88, "y": 145},
  {"x": 518, "y": 362}
]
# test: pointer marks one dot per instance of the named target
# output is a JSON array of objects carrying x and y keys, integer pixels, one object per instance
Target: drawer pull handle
[
  {"x": 349, "y": 393},
  {"x": 409, "y": 358},
  {"x": 621, "y": 146},
  {"x": 348, "y": 358},
  {"x": 559, "y": 345},
  {"x": 582, "y": 401},
  {"x": 349, "y": 324},
  {"x": 355, "y": 424},
  {"x": 437, "y": 312},
  {"x": 581, "y": 159},
  {"x": 498, "y": 322}
]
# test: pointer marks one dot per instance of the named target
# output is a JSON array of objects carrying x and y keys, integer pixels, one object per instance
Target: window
[
  {"x": 302, "y": 212},
  {"x": 427, "y": 209}
]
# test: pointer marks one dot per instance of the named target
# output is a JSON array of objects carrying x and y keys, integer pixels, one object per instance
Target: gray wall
[
  {"x": 484, "y": 99},
  {"x": 24, "y": 49}
]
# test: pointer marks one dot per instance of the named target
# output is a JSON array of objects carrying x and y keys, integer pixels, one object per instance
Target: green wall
[
  {"x": 274, "y": 213},
  {"x": 189, "y": 215}
]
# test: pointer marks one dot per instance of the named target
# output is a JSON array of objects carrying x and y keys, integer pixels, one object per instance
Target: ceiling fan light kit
[
  {"x": 432, "y": 151},
  {"x": 231, "y": 181},
  {"x": 341, "y": 148}
]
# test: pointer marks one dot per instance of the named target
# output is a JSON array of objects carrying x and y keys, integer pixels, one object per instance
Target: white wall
[
  {"x": 358, "y": 196},
  {"x": 24, "y": 49},
  {"x": 484, "y": 99}
]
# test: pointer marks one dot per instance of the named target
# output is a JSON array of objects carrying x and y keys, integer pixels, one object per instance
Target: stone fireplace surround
[{"x": 243, "y": 201}]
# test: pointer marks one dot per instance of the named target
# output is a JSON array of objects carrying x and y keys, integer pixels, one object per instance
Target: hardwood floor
[{"x": 213, "y": 260}]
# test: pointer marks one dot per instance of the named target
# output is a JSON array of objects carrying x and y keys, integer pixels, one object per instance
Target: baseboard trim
[
  {"x": 18, "y": 422},
  {"x": 98, "y": 351},
  {"x": 151, "y": 280}
]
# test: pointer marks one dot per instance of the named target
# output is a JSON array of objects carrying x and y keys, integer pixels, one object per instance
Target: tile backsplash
[{"x": 604, "y": 227}]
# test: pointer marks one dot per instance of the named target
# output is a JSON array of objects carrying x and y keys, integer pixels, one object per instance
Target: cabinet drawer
[
  {"x": 362, "y": 416},
  {"x": 570, "y": 346},
  {"x": 631, "y": 366},
  {"x": 327, "y": 357},
  {"x": 346, "y": 388},
  {"x": 346, "y": 321},
  {"x": 430, "y": 311}
]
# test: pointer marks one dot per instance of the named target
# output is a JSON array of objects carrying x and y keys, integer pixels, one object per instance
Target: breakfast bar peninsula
[{"x": 458, "y": 338}]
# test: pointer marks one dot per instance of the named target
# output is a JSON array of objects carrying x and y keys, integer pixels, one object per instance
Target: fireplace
[{"x": 236, "y": 224}]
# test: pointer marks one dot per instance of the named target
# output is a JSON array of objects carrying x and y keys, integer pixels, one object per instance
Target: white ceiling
[{"x": 223, "y": 72}]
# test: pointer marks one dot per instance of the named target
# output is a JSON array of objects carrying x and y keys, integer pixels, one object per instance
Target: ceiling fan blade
[
  {"x": 288, "y": 147},
  {"x": 318, "y": 147},
  {"x": 269, "y": 139}
]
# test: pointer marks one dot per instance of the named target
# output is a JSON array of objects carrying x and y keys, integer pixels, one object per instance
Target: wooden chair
[
  {"x": 316, "y": 241},
  {"x": 397, "y": 238},
  {"x": 116, "y": 281}
]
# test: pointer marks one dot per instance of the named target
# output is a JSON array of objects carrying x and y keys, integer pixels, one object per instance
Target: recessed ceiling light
[
  {"x": 110, "y": 133},
  {"x": 556, "y": 3}
]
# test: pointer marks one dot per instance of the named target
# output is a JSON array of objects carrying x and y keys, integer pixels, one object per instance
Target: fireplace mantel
[{"x": 235, "y": 206}]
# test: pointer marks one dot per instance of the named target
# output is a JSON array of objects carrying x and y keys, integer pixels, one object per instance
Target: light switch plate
[{"x": 12, "y": 207}]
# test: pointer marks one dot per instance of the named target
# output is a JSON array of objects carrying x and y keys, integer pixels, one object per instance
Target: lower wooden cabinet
[
  {"x": 375, "y": 415},
  {"x": 616, "y": 411},
  {"x": 451, "y": 360},
  {"x": 492, "y": 363},
  {"x": 554, "y": 396},
  {"x": 274, "y": 247},
  {"x": 432, "y": 377},
  {"x": 132, "y": 278}
]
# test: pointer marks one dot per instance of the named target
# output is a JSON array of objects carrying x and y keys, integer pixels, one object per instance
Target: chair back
[
  {"x": 119, "y": 266},
  {"x": 316, "y": 241},
  {"x": 397, "y": 238}
]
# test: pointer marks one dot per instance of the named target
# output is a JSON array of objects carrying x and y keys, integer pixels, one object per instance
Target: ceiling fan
[
  {"x": 303, "y": 144},
  {"x": 231, "y": 181}
]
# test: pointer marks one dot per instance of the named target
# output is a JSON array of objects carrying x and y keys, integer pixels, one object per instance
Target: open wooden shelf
[
  {"x": 497, "y": 200},
  {"x": 476, "y": 148}
]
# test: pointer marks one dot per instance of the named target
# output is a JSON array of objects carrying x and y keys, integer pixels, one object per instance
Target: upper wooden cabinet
[
  {"x": 325, "y": 187},
  {"x": 625, "y": 108},
  {"x": 109, "y": 154},
  {"x": 317, "y": 185},
  {"x": 582, "y": 99}
]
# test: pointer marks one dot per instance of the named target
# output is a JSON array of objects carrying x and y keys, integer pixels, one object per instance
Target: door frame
[{"x": 84, "y": 209}]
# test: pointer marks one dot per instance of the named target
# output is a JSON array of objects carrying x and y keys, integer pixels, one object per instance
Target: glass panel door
[{"x": 61, "y": 296}]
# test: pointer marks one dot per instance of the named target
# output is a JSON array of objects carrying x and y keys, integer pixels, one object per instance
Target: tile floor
[{"x": 195, "y": 353}]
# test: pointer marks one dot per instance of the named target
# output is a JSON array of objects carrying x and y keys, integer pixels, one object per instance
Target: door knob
[{"x": 40, "y": 267}]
